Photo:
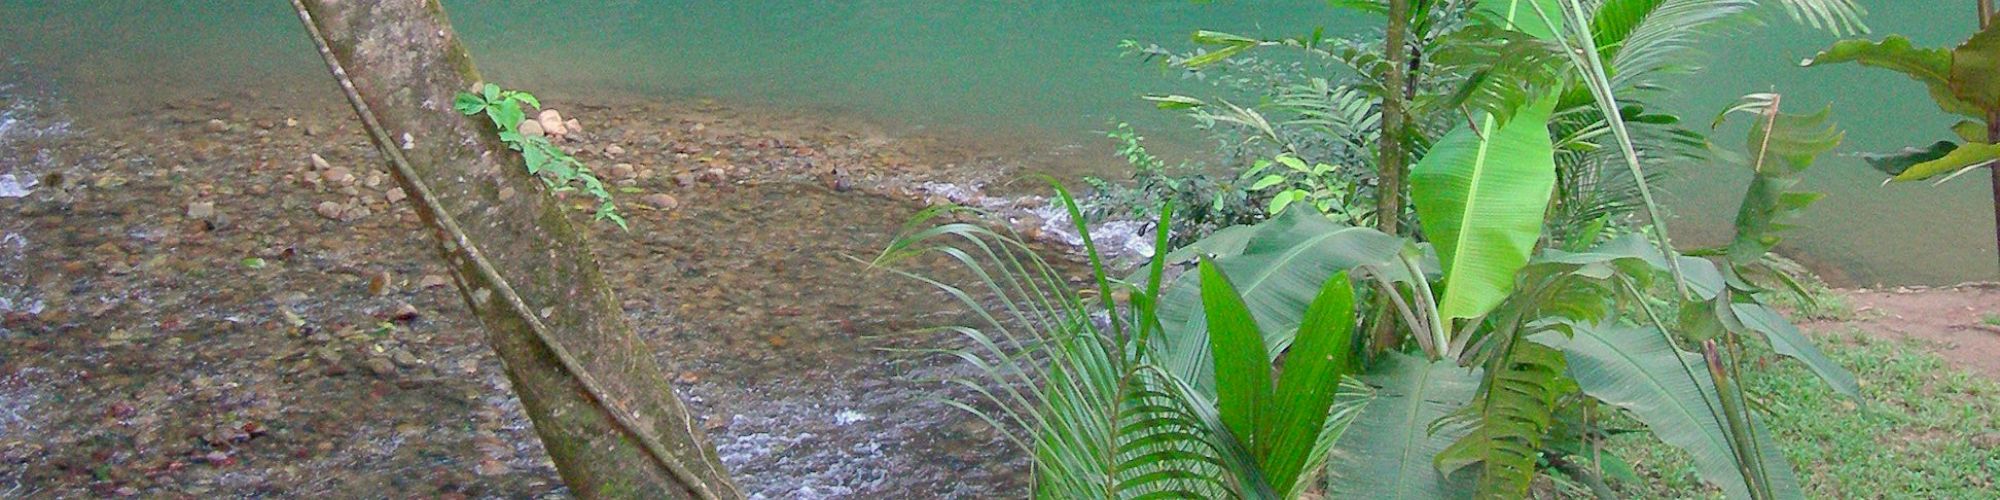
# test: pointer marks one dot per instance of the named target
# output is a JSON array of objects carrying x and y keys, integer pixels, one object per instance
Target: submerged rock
[
  {"x": 201, "y": 210},
  {"x": 661, "y": 201}
]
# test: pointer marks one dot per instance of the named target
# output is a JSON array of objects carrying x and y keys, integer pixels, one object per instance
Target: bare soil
[{"x": 1958, "y": 322}]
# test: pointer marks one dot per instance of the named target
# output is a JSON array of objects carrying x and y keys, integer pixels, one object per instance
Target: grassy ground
[{"x": 1926, "y": 430}]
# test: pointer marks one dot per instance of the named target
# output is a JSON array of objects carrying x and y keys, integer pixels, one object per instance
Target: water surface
[{"x": 1045, "y": 74}]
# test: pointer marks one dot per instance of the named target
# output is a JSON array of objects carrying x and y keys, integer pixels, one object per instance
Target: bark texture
[{"x": 597, "y": 397}]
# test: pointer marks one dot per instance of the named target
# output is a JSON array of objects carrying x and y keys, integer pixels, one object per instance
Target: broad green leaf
[
  {"x": 1320, "y": 355},
  {"x": 1932, "y": 66},
  {"x": 506, "y": 115},
  {"x": 527, "y": 98},
  {"x": 1387, "y": 452},
  {"x": 1266, "y": 182},
  {"x": 1242, "y": 367},
  {"x": 468, "y": 104},
  {"x": 1284, "y": 199},
  {"x": 1975, "y": 69},
  {"x": 1279, "y": 266},
  {"x": 1481, "y": 201},
  {"x": 1294, "y": 163},
  {"x": 1670, "y": 391},
  {"x": 1967, "y": 155},
  {"x": 1896, "y": 162},
  {"x": 1787, "y": 341},
  {"x": 491, "y": 92}
]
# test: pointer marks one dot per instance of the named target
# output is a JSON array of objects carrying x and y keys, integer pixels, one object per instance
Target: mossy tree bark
[{"x": 598, "y": 399}]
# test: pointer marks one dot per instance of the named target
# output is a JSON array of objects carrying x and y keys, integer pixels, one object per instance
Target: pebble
[
  {"x": 337, "y": 175},
  {"x": 394, "y": 195},
  {"x": 216, "y": 126},
  {"x": 320, "y": 163},
  {"x": 433, "y": 281},
  {"x": 328, "y": 210},
  {"x": 661, "y": 201},
  {"x": 552, "y": 122},
  {"x": 201, "y": 210},
  {"x": 623, "y": 171},
  {"x": 403, "y": 358},
  {"x": 613, "y": 150},
  {"x": 381, "y": 367},
  {"x": 404, "y": 312},
  {"x": 530, "y": 128}
]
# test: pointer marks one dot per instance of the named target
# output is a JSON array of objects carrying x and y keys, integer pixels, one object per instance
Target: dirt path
[{"x": 1961, "y": 323}]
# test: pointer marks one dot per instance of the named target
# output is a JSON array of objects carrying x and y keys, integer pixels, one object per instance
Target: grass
[{"x": 1926, "y": 430}]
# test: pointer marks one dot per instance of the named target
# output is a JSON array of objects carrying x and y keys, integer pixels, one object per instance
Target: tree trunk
[
  {"x": 598, "y": 399},
  {"x": 1992, "y": 135},
  {"x": 1389, "y": 177},
  {"x": 1396, "y": 88}
]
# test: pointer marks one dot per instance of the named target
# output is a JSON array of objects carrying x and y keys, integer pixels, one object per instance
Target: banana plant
[{"x": 1962, "y": 80}]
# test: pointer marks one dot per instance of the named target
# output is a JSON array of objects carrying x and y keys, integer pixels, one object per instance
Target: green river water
[{"x": 1042, "y": 74}]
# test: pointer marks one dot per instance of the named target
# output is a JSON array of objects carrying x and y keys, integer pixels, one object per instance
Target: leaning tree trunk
[{"x": 603, "y": 409}]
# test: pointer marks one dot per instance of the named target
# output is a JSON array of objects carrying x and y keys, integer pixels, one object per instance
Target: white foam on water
[
  {"x": 13, "y": 187},
  {"x": 848, "y": 417}
]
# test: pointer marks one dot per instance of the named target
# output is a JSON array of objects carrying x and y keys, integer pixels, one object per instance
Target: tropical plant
[
  {"x": 1463, "y": 58},
  {"x": 1964, "y": 80},
  {"x": 1151, "y": 386},
  {"x": 1559, "y": 332},
  {"x": 557, "y": 169},
  {"x": 1317, "y": 186},
  {"x": 1075, "y": 377},
  {"x": 1206, "y": 203},
  {"x": 1491, "y": 336}
]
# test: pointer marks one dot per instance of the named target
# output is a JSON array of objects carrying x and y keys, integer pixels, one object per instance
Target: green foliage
[
  {"x": 1281, "y": 427},
  {"x": 556, "y": 168},
  {"x": 1481, "y": 199},
  {"x": 1638, "y": 370},
  {"x": 1316, "y": 186},
  {"x": 1278, "y": 266},
  {"x": 1910, "y": 441},
  {"x": 1206, "y": 204},
  {"x": 1075, "y": 378},
  {"x": 1929, "y": 66},
  {"x": 1387, "y": 451},
  {"x": 1509, "y": 419},
  {"x": 1491, "y": 334},
  {"x": 1781, "y": 146}
]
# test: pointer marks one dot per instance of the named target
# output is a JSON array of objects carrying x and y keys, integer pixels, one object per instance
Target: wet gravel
[{"x": 195, "y": 307}]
